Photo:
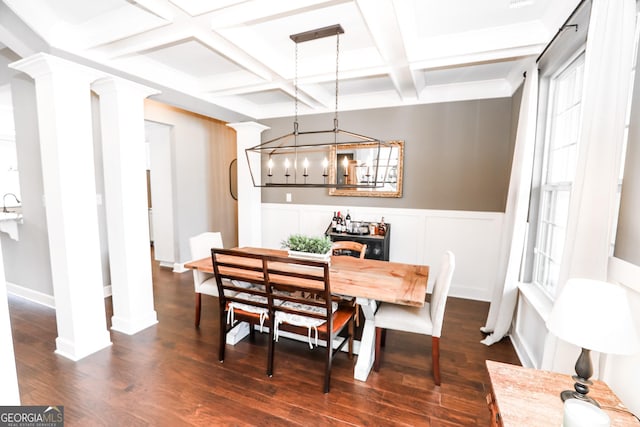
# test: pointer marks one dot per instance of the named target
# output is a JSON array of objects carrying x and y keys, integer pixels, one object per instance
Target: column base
[
  {"x": 133, "y": 325},
  {"x": 74, "y": 351}
]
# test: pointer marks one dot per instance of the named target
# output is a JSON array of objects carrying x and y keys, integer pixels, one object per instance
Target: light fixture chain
[
  {"x": 335, "y": 117},
  {"x": 295, "y": 85}
]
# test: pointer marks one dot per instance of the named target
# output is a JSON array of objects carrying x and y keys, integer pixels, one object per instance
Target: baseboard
[
  {"x": 469, "y": 293},
  {"x": 179, "y": 268},
  {"x": 31, "y": 295},
  {"x": 521, "y": 351},
  {"x": 39, "y": 297}
]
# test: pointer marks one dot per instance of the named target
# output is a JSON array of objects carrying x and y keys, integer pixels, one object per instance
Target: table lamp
[{"x": 594, "y": 315}]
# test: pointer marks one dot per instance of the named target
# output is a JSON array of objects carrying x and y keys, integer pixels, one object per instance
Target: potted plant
[{"x": 301, "y": 246}]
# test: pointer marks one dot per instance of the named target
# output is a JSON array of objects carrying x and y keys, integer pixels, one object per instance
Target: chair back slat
[{"x": 349, "y": 247}]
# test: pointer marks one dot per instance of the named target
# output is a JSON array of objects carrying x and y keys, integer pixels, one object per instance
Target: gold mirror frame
[{"x": 368, "y": 192}]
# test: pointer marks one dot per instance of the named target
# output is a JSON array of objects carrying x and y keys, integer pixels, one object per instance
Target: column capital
[
  {"x": 248, "y": 126},
  {"x": 117, "y": 84},
  {"x": 43, "y": 64}
]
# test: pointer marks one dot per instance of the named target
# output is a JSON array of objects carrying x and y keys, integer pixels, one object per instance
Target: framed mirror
[
  {"x": 233, "y": 179},
  {"x": 358, "y": 162}
]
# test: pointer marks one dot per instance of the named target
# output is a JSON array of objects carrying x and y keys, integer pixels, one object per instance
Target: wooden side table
[{"x": 531, "y": 397}]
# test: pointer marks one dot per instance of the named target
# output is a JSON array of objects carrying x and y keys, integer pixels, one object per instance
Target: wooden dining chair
[
  {"x": 348, "y": 247},
  {"x": 242, "y": 292},
  {"x": 426, "y": 320},
  {"x": 355, "y": 249},
  {"x": 302, "y": 304},
  {"x": 204, "y": 283}
]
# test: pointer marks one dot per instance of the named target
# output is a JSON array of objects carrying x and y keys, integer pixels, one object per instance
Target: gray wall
[
  {"x": 26, "y": 261},
  {"x": 457, "y": 154}
]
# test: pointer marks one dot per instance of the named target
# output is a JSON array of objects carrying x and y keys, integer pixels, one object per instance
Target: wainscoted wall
[
  {"x": 418, "y": 236},
  {"x": 622, "y": 372}
]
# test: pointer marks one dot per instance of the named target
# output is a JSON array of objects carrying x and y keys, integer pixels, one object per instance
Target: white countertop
[{"x": 9, "y": 223}]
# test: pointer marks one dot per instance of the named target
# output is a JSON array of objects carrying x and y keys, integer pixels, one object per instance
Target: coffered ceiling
[{"x": 238, "y": 54}]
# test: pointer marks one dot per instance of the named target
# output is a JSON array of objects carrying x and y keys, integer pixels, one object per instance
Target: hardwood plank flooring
[{"x": 168, "y": 374}]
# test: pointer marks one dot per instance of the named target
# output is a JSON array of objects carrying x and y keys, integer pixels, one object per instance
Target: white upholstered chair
[
  {"x": 204, "y": 283},
  {"x": 426, "y": 320}
]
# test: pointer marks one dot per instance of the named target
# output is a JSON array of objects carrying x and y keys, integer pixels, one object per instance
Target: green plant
[{"x": 301, "y": 243}]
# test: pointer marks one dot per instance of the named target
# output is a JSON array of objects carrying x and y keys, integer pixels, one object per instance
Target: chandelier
[{"x": 331, "y": 158}]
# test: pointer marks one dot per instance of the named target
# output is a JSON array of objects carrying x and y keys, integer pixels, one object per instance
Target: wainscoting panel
[
  {"x": 418, "y": 236},
  {"x": 619, "y": 370}
]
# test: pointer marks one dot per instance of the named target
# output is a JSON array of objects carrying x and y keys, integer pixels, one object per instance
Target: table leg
[{"x": 367, "y": 343}]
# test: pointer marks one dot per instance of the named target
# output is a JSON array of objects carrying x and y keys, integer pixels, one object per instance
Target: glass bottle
[{"x": 382, "y": 228}]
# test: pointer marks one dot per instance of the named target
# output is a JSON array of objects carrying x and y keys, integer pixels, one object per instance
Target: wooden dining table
[{"x": 369, "y": 281}]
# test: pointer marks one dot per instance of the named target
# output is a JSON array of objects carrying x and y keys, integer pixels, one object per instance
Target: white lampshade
[{"x": 594, "y": 315}]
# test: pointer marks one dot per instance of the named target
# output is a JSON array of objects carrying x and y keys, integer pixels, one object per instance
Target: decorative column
[
  {"x": 249, "y": 197},
  {"x": 124, "y": 158},
  {"x": 9, "y": 393},
  {"x": 66, "y": 143}
]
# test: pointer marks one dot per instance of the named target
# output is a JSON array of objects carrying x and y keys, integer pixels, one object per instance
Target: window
[{"x": 558, "y": 172}]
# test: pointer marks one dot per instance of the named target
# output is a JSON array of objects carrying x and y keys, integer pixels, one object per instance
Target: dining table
[{"x": 370, "y": 282}]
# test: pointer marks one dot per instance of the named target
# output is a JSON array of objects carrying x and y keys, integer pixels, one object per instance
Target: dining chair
[
  {"x": 305, "y": 306},
  {"x": 348, "y": 247},
  {"x": 351, "y": 248},
  {"x": 242, "y": 293},
  {"x": 426, "y": 320},
  {"x": 204, "y": 283}
]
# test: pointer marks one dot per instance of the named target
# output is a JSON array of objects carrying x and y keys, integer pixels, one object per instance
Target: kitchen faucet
[{"x": 4, "y": 203}]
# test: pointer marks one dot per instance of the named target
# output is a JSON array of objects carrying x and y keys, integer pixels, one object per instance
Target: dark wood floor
[{"x": 168, "y": 375}]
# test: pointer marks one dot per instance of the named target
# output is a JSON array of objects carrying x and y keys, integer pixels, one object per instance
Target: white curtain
[
  {"x": 515, "y": 223},
  {"x": 608, "y": 61}
]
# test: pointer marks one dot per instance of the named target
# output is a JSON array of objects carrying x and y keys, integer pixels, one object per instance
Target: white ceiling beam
[
  {"x": 230, "y": 51},
  {"x": 478, "y": 57},
  {"x": 253, "y": 11},
  {"x": 160, "y": 8},
  {"x": 288, "y": 88},
  {"x": 380, "y": 18},
  {"x": 145, "y": 41}
]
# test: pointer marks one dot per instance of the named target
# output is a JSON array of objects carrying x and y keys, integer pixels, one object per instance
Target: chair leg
[
  {"x": 270, "y": 350},
  {"x": 198, "y": 305},
  {"x": 223, "y": 335},
  {"x": 351, "y": 335},
  {"x": 376, "y": 360},
  {"x": 252, "y": 332},
  {"x": 327, "y": 371},
  {"x": 435, "y": 356}
]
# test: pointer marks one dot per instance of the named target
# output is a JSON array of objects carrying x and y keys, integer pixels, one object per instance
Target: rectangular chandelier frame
[{"x": 325, "y": 172}]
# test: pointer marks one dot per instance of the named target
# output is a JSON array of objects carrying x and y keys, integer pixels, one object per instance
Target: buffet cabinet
[{"x": 377, "y": 246}]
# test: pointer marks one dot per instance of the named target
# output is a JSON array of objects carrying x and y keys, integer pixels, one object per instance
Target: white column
[
  {"x": 66, "y": 144},
  {"x": 124, "y": 158},
  {"x": 249, "y": 197},
  {"x": 9, "y": 393}
]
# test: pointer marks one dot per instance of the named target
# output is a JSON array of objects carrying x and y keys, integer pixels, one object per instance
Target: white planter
[{"x": 326, "y": 257}]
